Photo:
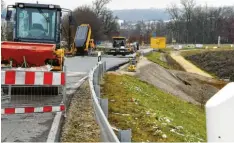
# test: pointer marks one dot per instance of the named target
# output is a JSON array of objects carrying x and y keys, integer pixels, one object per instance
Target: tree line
[{"x": 190, "y": 23}]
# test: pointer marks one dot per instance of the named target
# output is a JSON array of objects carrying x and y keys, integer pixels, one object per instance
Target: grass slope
[
  {"x": 155, "y": 57},
  {"x": 152, "y": 115},
  {"x": 170, "y": 62}
]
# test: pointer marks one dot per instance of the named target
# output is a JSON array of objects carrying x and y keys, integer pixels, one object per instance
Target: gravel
[{"x": 80, "y": 124}]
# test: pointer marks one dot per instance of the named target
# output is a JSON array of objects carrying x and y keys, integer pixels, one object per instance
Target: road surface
[{"x": 35, "y": 127}]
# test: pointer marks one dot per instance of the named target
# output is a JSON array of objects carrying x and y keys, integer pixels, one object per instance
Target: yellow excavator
[{"x": 83, "y": 44}]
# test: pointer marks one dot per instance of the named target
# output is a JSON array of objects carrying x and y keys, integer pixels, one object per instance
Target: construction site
[{"x": 77, "y": 76}]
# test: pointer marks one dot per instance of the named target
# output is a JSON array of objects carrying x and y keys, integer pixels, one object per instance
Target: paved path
[{"x": 188, "y": 66}]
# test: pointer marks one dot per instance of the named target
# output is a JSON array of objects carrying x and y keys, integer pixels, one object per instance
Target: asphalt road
[{"x": 35, "y": 127}]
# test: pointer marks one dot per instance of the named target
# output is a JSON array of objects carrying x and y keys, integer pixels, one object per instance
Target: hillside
[{"x": 142, "y": 14}]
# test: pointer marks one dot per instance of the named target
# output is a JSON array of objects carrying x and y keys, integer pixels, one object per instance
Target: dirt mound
[
  {"x": 188, "y": 86},
  {"x": 220, "y": 63}
]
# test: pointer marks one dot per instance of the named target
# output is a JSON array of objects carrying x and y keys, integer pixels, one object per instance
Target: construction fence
[{"x": 32, "y": 91}]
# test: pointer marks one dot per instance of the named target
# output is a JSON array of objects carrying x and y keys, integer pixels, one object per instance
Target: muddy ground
[{"x": 219, "y": 63}]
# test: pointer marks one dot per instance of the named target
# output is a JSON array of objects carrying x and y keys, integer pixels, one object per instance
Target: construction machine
[
  {"x": 83, "y": 44},
  {"x": 36, "y": 38},
  {"x": 120, "y": 47},
  {"x": 132, "y": 65}
]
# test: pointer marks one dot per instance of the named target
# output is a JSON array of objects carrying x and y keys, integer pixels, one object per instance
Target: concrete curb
[{"x": 55, "y": 128}]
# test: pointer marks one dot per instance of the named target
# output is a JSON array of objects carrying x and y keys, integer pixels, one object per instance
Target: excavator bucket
[{"x": 34, "y": 54}]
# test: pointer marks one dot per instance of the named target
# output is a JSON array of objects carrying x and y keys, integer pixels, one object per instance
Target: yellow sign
[{"x": 158, "y": 42}]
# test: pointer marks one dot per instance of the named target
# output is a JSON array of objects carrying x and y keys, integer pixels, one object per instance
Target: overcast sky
[{"x": 125, "y": 4}]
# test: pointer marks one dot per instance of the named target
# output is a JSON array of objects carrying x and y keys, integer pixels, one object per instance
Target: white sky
[{"x": 125, "y": 4}]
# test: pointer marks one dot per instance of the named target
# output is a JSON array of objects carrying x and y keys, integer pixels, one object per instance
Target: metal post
[
  {"x": 64, "y": 91},
  {"x": 104, "y": 106},
  {"x": 95, "y": 77},
  {"x": 9, "y": 92},
  {"x": 104, "y": 66},
  {"x": 97, "y": 90},
  {"x": 125, "y": 135},
  {"x": 99, "y": 73},
  {"x": 101, "y": 70}
]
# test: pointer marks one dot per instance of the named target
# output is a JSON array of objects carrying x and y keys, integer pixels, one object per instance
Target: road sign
[
  {"x": 158, "y": 42},
  {"x": 153, "y": 34}
]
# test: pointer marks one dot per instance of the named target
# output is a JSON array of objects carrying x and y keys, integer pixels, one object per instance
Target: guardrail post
[
  {"x": 104, "y": 66},
  {"x": 125, "y": 135},
  {"x": 95, "y": 77},
  {"x": 101, "y": 70},
  {"x": 104, "y": 106},
  {"x": 97, "y": 90}
]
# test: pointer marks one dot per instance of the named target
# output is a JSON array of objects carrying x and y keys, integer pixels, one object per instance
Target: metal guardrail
[
  {"x": 107, "y": 133},
  {"x": 101, "y": 105}
]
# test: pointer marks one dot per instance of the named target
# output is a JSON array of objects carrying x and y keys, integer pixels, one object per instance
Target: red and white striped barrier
[
  {"x": 23, "y": 110},
  {"x": 32, "y": 78}
]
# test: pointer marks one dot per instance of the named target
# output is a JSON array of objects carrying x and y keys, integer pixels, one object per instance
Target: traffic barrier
[
  {"x": 219, "y": 115},
  {"x": 32, "y": 91},
  {"x": 101, "y": 108},
  {"x": 107, "y": 133},
  {"x": 32, "y": 78},
  {"x": 33, "y": 109}
]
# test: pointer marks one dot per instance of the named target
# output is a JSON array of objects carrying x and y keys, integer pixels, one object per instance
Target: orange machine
[
  {"x": 33, "y": 54},
  {"x": 35, "y": 42}
]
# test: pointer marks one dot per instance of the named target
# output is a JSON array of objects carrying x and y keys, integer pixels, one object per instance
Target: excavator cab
[{"x": 36, "y": 26}]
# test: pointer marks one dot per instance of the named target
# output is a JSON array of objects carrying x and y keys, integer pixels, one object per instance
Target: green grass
[
  {"x": 150, "y": 112},
  {"x": 155, "y": 57}
]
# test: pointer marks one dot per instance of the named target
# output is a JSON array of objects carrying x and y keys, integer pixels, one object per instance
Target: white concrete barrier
[{"x": 220, "y": 115}]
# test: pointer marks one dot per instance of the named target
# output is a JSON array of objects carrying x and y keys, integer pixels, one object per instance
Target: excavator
[
  {"x": 36, "y": 38},
  {"x": 83, "y": 44}
]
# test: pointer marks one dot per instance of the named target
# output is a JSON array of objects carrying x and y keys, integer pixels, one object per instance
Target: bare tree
[
  {"x": 82, "y": 15},
  {"x": 188, "y": 6},
  {"x": 109, "y": 23},
  {"x": 100, "y": 5}
]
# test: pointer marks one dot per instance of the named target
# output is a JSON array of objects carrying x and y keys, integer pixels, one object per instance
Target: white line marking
[{"x": 54, "y": 128}]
